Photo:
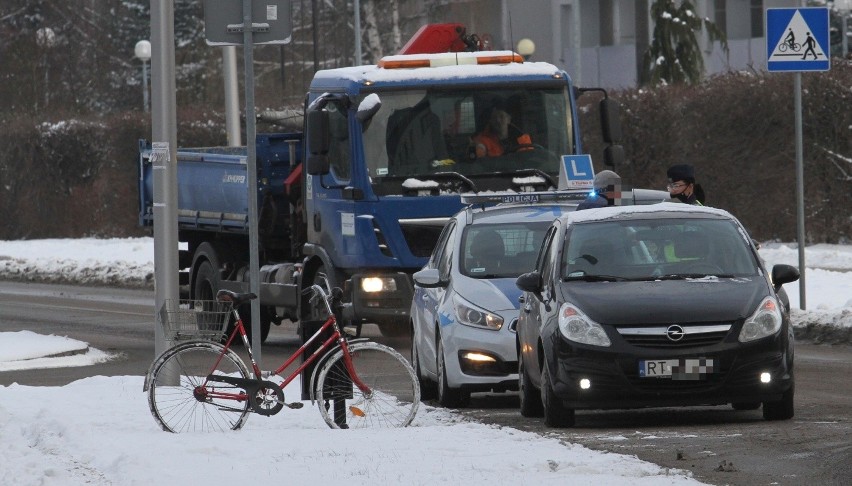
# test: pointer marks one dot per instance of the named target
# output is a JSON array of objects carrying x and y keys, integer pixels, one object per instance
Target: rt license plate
[{"x": 677, "y": 369}]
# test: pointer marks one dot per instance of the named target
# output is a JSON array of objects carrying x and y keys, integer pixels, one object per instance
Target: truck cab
[{"x": 391, "y": 147}]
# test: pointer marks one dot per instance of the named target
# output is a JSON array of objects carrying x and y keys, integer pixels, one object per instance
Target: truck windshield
[{"x": 442, "y": 141}]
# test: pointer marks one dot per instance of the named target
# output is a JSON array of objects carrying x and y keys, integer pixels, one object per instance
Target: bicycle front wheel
[
  {"x": 394, "y": 391},
  {"x": 182, "y": 400}
]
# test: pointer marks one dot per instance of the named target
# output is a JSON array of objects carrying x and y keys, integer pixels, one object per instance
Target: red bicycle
[{"x": 203, "y": 385}]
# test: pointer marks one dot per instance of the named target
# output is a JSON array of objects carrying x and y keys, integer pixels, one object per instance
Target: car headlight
[
  {"x": 765, "y": 321},
  {"x": 470, "y": 315},
  {"x": 577, "y": 327},
  {"x": 378, "y": 284}
]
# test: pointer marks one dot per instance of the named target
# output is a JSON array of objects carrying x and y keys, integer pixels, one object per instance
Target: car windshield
[
  {"x": 430, "y": 138},
  {"x": 501, "y": 250},
  {"x": 657, "y": 249}
]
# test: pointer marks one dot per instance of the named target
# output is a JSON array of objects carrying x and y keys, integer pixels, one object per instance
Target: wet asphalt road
[{"x": 718, "y": 444}]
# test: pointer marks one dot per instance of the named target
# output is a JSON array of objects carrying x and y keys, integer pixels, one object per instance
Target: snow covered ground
[{"x": 99, "y": 430}]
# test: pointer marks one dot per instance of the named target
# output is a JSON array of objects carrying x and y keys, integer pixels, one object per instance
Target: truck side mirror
[
  {"x": 610, "y": 120},
  {"x": 613, "y": 155},
  {"x": 368, "y": 108},
  {"x": 317, "y": 164},
  {"x": 318, "y": 132}
]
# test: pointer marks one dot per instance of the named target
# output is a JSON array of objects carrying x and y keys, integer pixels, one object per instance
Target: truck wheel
[
  {"x": 265, "y": 321},
  {"x": 206, "y": 286},
  {"x": 206, "y": 282}
]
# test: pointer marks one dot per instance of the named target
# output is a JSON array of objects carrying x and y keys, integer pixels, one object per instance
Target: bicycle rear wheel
[
  {"x": 394, "y": 396},
  {"x": 178, "y": 397}
]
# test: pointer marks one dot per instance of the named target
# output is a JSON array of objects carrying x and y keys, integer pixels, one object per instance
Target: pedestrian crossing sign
[{"x": 797, "y": 39}]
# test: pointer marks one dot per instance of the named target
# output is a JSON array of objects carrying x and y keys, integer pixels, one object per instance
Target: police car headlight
[
  {"x": 378, "y": 284},
  {"x": 470, "y": 315},
  {"x": 765, "y": 321},
  {"x": 577, "y": 327}
]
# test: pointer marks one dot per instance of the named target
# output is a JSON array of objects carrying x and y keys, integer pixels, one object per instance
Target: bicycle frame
[{"x": 336, "y": 336}]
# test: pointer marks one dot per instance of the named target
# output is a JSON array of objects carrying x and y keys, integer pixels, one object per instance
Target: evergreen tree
[{"x": 674, "y": 55}]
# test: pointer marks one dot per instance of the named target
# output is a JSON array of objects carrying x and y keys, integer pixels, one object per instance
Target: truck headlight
[
  {"x": 378, "y": 284},
  {"x": 765, "y": 321},
  {"x": 470, "y": 315},
  {"x": 577, "y": 327}
]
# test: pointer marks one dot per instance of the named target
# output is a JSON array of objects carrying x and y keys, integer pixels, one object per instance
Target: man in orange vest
[{"x": 491, "y": 141}]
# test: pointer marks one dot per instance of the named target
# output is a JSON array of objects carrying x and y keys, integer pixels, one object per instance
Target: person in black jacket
[{"x": 682, "y": 185}]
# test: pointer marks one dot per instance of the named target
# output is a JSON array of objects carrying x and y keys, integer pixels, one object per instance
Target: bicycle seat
[{"x": 233, "y": 297}]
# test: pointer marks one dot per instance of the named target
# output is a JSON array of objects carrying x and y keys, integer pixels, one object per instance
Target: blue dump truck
[{"x": 358, "y": 199}]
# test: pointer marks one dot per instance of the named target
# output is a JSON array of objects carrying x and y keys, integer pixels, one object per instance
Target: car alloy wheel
[
  {"x": 428, "y": 390},
  {"x": 531, "y": 405},
  {"x": 448, "y": 397}
]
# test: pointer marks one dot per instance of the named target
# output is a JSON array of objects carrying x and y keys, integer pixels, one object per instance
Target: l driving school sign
[{"x": 797, "y": 39}]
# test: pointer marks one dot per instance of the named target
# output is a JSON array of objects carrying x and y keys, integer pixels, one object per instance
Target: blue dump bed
[{"x": 213, "y": 184}]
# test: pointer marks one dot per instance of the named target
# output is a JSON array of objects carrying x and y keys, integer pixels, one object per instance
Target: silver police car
[{"x": 465, "y": 304}]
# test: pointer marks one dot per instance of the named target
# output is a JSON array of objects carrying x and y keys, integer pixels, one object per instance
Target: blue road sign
[
  {"x": 797, "y": 39},
  {"x": 576, "y": 172}
]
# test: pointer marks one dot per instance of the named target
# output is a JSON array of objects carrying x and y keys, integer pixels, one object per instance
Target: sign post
[
  {"x": 797, "y": 40},
  {"x": 263, "y": 22}
]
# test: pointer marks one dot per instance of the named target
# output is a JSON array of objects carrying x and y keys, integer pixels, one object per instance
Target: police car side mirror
[{"x": 428, "y": 278}]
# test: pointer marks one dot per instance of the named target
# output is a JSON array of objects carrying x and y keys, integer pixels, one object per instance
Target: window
[
  {"x": 338, "y": 149},
  {"x": 757, "y": 18},
  {"x": 721, "y": 15}
]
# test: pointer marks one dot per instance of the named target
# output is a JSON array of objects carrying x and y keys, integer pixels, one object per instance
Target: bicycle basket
[{"x": 194, "y": 319}]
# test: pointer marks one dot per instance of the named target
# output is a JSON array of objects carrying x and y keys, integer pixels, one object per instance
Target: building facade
[{"x": 602, "y": 42}]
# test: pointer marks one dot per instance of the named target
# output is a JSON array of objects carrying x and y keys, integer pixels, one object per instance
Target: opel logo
[{"x": 675, "y": 333}]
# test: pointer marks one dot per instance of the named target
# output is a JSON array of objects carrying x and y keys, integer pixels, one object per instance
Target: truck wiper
[
  {"x": 553, "y": 182},
  {"x": 455, "y": 175}
]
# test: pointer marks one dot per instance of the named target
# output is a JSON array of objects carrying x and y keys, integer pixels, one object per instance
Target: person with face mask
[{"x": 682, "y": 185}]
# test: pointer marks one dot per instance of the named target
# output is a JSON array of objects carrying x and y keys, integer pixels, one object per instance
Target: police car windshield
[
  {"x": 500, "y": 250},
  {"x": 418, "y": 134},
  {"x": 658, "y": 249}
]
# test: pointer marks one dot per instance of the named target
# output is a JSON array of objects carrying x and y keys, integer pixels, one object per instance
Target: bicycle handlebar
[{"x": 320, "y": 292}]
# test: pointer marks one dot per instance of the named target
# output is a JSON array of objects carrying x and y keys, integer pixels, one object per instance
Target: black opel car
[{"x": 653, "y": 306}]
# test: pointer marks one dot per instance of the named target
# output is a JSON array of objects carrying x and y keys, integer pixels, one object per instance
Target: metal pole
[
  {"x": 232, "y": 96},
  {"x": 315, "y": 33},
  {"x": 357, "y": 32},
  {"x": 844, "y": 29},
  {"x": 145, "y": 101},
  {"x": 164, "y": 133},
  {"x": 251, "y": 173},
  {"x": 800, "y": 188}
]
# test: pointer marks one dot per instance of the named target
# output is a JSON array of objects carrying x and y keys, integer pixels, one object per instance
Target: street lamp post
[{"x": 143, "y": 52}]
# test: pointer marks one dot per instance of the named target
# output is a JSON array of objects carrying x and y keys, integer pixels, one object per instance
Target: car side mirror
[
  {"x": 428, "y": 278},
  {"x": 782, "y": 274},
  {"x": 530, "y": 282}
]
